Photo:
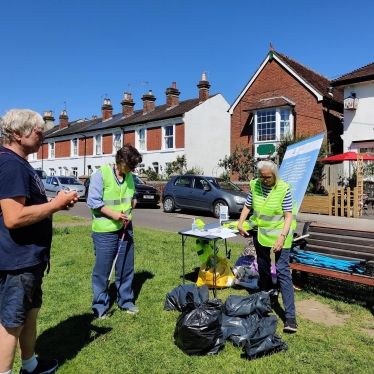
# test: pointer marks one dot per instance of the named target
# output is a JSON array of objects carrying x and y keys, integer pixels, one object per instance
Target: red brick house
[{"x": 284, "y": 96}]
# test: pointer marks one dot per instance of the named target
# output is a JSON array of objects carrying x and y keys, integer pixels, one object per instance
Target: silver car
[{"x": 55, "y": 184}]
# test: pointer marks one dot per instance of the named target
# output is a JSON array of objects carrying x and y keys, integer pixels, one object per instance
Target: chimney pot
[
  {"x": 203, "y": 88},
  {"x": 107, "y": 110},
  {"x": 172, "y": 96},
  {"x": 148, "y": 102},
  {"x": 64, "y": 120},
  {"x": 127, "y": 104}
]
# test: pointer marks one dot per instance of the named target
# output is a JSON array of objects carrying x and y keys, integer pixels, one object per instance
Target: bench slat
[
  {"x": 355, "y": 248},
  {"x": 363, "y": 279},
  {"x": 342, "y": 253}
]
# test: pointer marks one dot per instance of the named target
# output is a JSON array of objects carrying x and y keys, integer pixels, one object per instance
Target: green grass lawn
[
  {"x": 143, "y": 343},
  {"x": 62, "y": 218}
]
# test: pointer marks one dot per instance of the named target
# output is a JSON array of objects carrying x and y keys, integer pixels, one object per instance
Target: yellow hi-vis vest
[
  {"x": 115, "y": 197},
  {"x": 268, "y": 216},
  {"x": 204, "y": 249}
]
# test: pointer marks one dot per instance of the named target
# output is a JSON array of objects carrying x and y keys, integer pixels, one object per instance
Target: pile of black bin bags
[{"x": 205, "y": 324}]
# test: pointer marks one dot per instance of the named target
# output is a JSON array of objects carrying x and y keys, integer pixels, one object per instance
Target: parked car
[
  {"x": 54, "y": 184},
  {"x": 144, "y": 193},
  {"x": 198, "y": 192},
  {"x": 42, "y": 175}
]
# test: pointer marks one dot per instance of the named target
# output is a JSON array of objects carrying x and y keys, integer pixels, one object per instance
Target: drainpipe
[{"x": 84, "y": 155}]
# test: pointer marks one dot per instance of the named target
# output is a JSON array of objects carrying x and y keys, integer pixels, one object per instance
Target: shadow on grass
[
  {"x": 65, "y": 340},
  {"x": 336, "y": 289},
  {"x": 192, "y": 276},
  {"x": 139, "y": 279}
]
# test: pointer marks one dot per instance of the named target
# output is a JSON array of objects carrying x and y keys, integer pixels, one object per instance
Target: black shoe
[
  {"x": 290, "y": 325},
  {"x": 44, "y": 367}
]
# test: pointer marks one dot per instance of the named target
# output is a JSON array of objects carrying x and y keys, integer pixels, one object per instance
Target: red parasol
[{"x": 346, "y": 156}]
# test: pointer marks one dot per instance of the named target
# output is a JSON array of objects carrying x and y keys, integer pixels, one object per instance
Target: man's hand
[
  {"x": 119, "y": 216},
  {"x": 279, "y": 244},
  {"x": 65, "y": 200},
  {"x": 242, "y": 231}
]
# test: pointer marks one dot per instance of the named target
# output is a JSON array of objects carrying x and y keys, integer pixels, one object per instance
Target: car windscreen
[
  {"x": 41, "y": 174},
  {"x": 137, "y": 180},
  {"x": 67, "y": 180},
  {"x": 224, "y": 184},
  {"x": 227, "y": 185}
]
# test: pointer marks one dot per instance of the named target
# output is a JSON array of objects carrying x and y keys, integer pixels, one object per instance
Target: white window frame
[
  {"x": 74, "y": 171},
  {"x": 32, "y": 156},
  {"x": 98, "y": 144},
  {"x": 167, "y": 137},
  {"x": 142, "y": 140},
  {"x": 117, "y": 141},
  {"x": 278, "y": 120},
  {"x": 51, "y": 150},
  {"x": 52, "y": 171},
  {"x": 74, "y": 147}
]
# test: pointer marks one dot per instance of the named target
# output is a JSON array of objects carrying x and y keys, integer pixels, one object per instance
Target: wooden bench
[{"x": 340, "y": 243}]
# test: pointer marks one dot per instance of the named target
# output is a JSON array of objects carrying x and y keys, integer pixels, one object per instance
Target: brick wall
[
  {"x": 154, "y": 139},
  {"x": 309, "y": 115},
  {"x": 179, "y": 135},
  {"x": 129, "y": 137},
  {"x": 107, "y": 142},
  {"x": 62, "y": 149},
  {"x": 89, "y": 146},
  {"x": 43, "y": 152}
]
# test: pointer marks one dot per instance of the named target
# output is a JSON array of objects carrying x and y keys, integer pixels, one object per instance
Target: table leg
[{"x": 183, "y": 240}]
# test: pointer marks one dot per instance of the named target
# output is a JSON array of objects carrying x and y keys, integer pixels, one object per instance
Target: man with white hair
[
  {"x": 273, "y": 224},
  {"x": 25, "y": 239}
]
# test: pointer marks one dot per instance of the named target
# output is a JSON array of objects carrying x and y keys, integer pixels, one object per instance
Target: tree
[{"x": 241, "y": 162}]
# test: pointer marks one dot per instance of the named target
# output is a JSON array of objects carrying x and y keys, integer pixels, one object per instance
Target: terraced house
[
  {"x": 198, "y": 128},
  {"x": 285, "y": 97}
]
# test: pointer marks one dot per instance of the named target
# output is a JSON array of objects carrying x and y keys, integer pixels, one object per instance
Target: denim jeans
[
  {"x": 282, "y": 265},
  {"x": 106, "y": 246}
]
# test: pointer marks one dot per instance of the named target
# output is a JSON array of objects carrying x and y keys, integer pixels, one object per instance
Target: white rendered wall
[
  {"x": 207, "y": 134},
  {"x": 359, "y": 123}
]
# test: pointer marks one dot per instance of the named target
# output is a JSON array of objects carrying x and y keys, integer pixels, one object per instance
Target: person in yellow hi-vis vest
[
  {"x": 111, "y": 199},
  {"x": 273, "y": 223}
]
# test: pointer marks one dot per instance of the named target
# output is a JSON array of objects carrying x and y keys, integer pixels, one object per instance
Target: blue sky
[{"x": 76, "y": 51}]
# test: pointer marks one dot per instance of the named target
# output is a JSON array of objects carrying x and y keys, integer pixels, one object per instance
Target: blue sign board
[{"x": 298, "y": 164}]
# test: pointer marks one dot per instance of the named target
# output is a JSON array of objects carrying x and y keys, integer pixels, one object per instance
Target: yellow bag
[{"x": 224, "y": 275}]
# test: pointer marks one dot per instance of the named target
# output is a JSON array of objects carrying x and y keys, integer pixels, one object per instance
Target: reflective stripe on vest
[
  {"x": 268, "y": 215},
  {"x": 115, "y": 197}
]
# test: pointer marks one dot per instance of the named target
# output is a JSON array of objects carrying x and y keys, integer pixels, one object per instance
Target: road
[{"x": 155, "y": 218}]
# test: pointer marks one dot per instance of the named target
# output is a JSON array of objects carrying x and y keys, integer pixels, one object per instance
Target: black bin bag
[
  {"x": 241, "y": 329},
  {"x": 199, "y": 332},
  {"x": 241, "y": 306},
  {"x": 258, "y": 347},
  {"x": 186, "y": 297}
]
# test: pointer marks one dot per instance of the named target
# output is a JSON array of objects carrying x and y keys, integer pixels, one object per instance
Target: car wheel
[
  {"x": 169, "y": 205},
  {"x": 216, "y": 206}
]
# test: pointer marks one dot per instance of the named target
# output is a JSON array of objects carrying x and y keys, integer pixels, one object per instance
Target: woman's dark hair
[{"x": 129, "y": 155}]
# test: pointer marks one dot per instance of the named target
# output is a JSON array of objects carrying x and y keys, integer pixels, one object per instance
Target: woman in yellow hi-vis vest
[
  {"x": 111, "y": 199},
  {"x": 273, "y": 224}
]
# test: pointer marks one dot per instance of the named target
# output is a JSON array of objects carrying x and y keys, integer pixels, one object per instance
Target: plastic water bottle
[{"x": 194, "y": 225}]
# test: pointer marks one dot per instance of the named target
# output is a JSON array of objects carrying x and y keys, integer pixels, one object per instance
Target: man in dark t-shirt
[{"x": 25, "y": 239}]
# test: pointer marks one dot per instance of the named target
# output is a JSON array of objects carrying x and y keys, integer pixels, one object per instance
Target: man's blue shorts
[{"x": 20, "y": 291}]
